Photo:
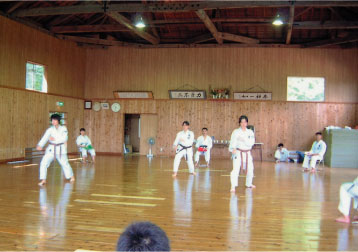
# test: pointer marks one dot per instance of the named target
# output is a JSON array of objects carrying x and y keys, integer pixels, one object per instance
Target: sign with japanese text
[
  {"x": 133, "y": 95},
  {"x": 253, "y": 96},
  {"x": 187, "y": 94}
]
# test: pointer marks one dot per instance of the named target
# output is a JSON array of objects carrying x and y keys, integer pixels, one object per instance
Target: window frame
[{"x": 44, "y": 76}]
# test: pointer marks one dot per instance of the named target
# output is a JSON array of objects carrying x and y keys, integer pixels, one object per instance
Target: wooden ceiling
[{"x": 193, "y": 23}]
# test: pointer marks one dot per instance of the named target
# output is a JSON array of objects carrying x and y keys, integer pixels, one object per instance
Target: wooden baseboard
[
  {"x": 109, "y": 153},
  {"x": 4, "y": 161}
]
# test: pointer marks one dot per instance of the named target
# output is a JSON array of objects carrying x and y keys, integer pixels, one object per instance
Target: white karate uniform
[
  {"x": 185, "y": 139},
  {"x": 317, "y": 148},
  {"x": 57, "y": 148},
  {"x": 243, "y": 140},
  {"x": 282, "y": 155},
  {"x": 347, "y": 192},
  {"x": 203, "y": 142},
  {"x": 84, "y": 140}
]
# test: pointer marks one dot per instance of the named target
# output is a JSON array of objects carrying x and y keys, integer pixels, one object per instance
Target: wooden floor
[{"x": 289, "y": 210}]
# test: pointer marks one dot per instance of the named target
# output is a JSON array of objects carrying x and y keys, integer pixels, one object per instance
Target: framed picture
[
  {"x": 187, "y": 94},
  {"x": 105, "y": 105},
  {"x": 88, "y": 104}
]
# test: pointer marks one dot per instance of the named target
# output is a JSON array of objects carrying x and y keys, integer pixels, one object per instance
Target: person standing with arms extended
[{"x": 57, "y": 136}]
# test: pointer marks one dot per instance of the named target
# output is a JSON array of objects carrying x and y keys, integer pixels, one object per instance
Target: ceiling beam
[
  {"x": 211, "y": 27},
  {"x": 58, "y": 20},
  {"x": 336, "y": 13},
  {"x": 238, "y": 38},
  {"x": 302, "y": 12},
  {"x": 226, "y": 45},
  {"x": 330, "y": 42},
  {"x": 120, "y": 28},
  {"x": 88, "y": 28},
  {"x": 94, "y": 41},
  {"x": 214, "y": 20},
  {"x": 290, "y": 24},
  {"x": 14, "y": 7},
  {"x": 174, "y": 7},
  {"x": 216, "y": 14},
  {"x": 149, "y": 17},
  {"x": 127, "y": 23},
  {"x": 200, "y": 39},
  {"x": 326, "y": 25}
]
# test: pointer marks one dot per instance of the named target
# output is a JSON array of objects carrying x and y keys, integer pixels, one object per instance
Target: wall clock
[{"x": 115, "y": 107}]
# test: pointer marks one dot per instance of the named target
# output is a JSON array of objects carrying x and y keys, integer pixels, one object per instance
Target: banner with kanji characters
[
  {"x": 187, "y": 94},
  {"x": 253, "y": 96}
]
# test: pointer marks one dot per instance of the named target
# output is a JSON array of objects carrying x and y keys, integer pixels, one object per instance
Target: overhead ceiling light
[
  {"x": 278, "y": 20},
  {"x": 139, "y": 22}
]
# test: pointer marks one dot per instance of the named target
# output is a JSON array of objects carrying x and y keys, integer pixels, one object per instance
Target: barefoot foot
[
  {"x": 344, "y": 219},
  {"x": 174, "y": 175},
  {"x": 72, "y": 179},
  {"x": 42, "y": 183}
]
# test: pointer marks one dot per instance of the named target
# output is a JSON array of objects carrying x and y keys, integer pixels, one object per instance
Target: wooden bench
[{"x": 32, "y": 153}]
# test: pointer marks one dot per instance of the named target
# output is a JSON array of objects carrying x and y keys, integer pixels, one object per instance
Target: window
[
  {"x": 63, "y": 117},
  {"x": 36, "y": 77},
  {"x": 305, "y": 89}
]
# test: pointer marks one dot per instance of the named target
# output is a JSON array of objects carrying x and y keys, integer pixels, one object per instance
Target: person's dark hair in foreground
[{"x": 143, "y": 236}]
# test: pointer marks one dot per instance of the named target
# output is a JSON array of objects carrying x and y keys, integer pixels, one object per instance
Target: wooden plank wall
[
  {"x": 64, "y": 61},
  {"x": 24, "y": 114},
  {"x": 25, "y": 117},
  {"x": 160, "y": 70},
  {"x": 293, "y": 123}
]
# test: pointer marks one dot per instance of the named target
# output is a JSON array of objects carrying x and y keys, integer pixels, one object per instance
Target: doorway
[{"x": 132, "y": 132}]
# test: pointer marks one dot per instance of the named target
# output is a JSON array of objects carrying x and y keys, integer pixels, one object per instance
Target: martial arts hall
[{"x": 130, "y": 73}]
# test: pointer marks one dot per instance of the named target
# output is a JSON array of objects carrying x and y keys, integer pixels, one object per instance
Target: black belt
[{"x": 184, "y": 148}]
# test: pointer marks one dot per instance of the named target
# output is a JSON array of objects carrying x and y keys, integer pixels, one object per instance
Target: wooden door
[{"x": 148, "y": 128}]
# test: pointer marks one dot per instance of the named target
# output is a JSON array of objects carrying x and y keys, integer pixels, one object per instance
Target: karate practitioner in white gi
[
  {"x": 316, "y": 153},
  {"x": 281, "y": 154},
  {"x": 84, "y": 144},
  {"x": 242, "y": 140},
  {"x": 57, "y": 137},
  {"x": 203, "y": 145},
  {"x": 347, "y": 192},
  {"x": 183, "y": 145}
]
